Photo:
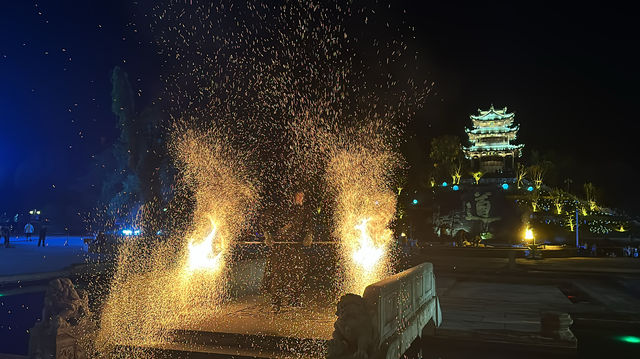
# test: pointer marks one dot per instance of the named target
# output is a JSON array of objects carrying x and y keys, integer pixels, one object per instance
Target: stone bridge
[{"x": 401, "y": 308}]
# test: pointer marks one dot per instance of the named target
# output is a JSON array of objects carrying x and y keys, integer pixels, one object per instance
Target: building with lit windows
[{"x": 492, "y": 149}]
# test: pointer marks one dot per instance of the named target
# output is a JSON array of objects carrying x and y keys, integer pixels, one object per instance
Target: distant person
[
  {"x": 6, "y": 233},
  {"x": 101, "y": 242},
  {"x": 43, "y": 235},
  {"x": 28, "y": 231}
]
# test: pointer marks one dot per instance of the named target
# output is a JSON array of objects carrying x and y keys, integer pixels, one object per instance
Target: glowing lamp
[
  {"x": 403, "y": 234},
  {"x": 136, "y": 232},
  {"x": 505, "y": 186},
  {"x": 530, "y": 188},
  {"x": 415, "y": 201},
  {"x": 30, "y": 212},
  {"x": 629, "y": 339},
  {"x": 455, "y": 187},
  {"x": 38, "y": 212},
  {"x": 444, "y": 184},
  {"x": 127, "y": 232},
  {"x": 528, "y": 235}
]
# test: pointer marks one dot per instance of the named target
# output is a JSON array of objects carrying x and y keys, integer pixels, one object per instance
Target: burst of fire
[
  {"x": 367, "y": 254},
  {"x": 208, "y": 254},
  {"x": 365, "y": 208}
]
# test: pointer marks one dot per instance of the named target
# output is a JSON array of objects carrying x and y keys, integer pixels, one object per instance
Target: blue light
[
  {"x": 136, "y": 232},
  {"x": 444, "y": 184},
  {"x": 455, "y": 187},
  {"x": 505, "y": 186},
  {"x": 530, "y": 189},
  {"x": 415, "y": 201},
  {"x": 127, "y": 232}
]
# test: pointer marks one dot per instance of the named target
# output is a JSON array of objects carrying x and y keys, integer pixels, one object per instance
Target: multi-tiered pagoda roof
[{"x": 492, "y": 133}]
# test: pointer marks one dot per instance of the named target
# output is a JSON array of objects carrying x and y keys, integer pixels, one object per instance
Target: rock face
[
  {"x": 65, "y": 318},
  {"x": 353, "y": 336}
]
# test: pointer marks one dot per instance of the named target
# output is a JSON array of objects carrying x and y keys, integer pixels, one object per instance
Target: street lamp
[{"x": 528, "y": 235}]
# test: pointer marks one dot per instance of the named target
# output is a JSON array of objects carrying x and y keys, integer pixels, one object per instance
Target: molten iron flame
[
  {"x": 366, "y": 254},
  {"x": 206, "y": 255}
]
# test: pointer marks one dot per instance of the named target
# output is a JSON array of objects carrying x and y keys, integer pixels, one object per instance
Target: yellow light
[
  {"x": 202, "y": 255},
  {"x": 38, "y": 212},
  {"x": 403, "y": 234},
  {"x": 528, "y": 234},
  {"x": 367, "y": 255},
  {"x": 30, "y": 212}
]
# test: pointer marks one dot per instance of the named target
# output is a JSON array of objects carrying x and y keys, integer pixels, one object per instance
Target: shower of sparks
[
  {"x": 299, "y": 93},
  {"x": 154, "y": 289},
  {"x": 365, "y": 207}
]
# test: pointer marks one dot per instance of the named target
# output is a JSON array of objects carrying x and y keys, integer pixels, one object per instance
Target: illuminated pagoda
[{"x": 491, "y": 140}]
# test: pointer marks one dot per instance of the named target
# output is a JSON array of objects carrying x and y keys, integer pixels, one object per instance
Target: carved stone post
[
  {"x": 556, "y": 325},
  {"x": 65, "y": 319}
]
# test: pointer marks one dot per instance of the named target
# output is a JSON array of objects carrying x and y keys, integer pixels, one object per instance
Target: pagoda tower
[{"x": 491, "y": 138}]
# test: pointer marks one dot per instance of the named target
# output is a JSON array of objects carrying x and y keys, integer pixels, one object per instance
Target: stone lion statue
[
  {"x": 353, "y": 335},
  {"x": 65, "y": 318},
  {"x": 64, "y": 306}
]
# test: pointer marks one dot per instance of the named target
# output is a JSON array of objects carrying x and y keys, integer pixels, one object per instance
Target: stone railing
[{"x": 399, "y": 310}]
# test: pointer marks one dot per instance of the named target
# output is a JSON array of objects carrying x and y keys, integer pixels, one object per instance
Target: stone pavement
[
  {"x": 252, "y": 315},
  {"x": 485, "y": 306},
  {"x": 25, "y": 257}
]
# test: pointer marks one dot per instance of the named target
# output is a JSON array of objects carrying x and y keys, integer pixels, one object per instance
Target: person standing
[
  {"x": 287, "y": 262},
  {"x": 28, "y": 231},
  {"x": 43, "y": 235},
  {"x": 6, "y": 233}
]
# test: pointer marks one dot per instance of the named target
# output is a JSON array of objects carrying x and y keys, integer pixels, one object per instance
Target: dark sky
[{"x": 570, "y": 74}]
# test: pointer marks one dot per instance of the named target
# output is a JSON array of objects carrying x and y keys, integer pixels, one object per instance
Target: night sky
[{"x": 570, "y": 74}]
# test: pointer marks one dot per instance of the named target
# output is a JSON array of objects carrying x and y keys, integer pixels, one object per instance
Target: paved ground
[
  {"x": 253, "y": 315},
  {"x": 483, "y": 306},
  {"x": 25, "y": 257}
]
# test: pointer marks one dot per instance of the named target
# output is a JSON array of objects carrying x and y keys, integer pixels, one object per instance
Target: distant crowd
[{"x": 6, "y": 230}]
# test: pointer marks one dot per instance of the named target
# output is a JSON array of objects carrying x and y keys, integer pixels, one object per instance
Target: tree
[
  {"x": 476, "y": 176},
  {"x": 537, "y": 174},
  {"x": 456, "y": 174},
  {"x": 591, "y": 193},
  {"x": 521, "y": 172},
  {"x": 446, "y": 154},
  {"x": 139, "y": 154},
  {"x": 558, "y": 197}
]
